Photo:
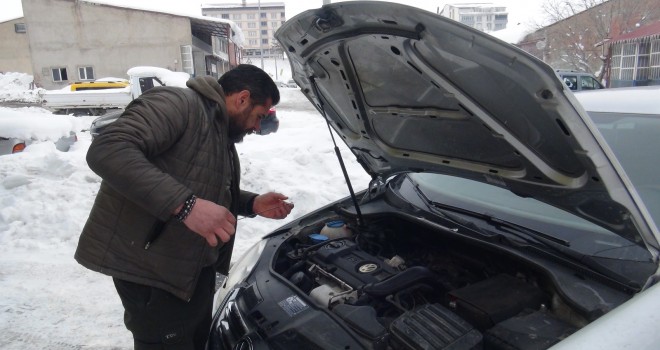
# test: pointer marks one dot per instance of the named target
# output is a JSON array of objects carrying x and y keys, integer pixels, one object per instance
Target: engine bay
[{"x": 400, "y": 284}]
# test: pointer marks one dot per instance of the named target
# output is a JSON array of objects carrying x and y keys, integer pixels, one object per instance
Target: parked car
[
  {"x": 291, "y": 84},
  {"x": 21, "y": 129},
  {"x": 99, "y": 124},
  {"x": 269, "y": 124},
  {"x": 497, "y": 217},
  {"x": 579, "y": 81}
]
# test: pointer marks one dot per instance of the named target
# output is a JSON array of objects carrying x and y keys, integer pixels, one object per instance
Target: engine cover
[{"x": 345, "y": 260}]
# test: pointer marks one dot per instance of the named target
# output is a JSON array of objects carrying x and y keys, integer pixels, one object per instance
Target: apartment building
[
  {"x": 259, "y": 22},
  {"x": 485, "y": 16}
]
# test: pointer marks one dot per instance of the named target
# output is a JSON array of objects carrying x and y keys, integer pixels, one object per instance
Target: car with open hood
[{"x": 498, "y": 215}]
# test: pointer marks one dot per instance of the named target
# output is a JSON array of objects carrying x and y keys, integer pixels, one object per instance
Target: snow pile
[{"x": 18, "y": 87}]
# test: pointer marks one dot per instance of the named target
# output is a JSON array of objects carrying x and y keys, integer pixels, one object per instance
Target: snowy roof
[
  {"x": 651, "y": 31},
  {"x": 15, "y": 17},
  {"x": 241, "y": 5},
  {"x": 511, "y": 35}
]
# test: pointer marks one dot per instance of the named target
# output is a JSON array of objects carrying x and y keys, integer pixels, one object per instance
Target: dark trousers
[{"x": 159, "y": 320}]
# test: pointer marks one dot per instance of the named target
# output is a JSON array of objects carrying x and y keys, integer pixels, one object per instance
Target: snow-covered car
[
  {"x": 21, "y": 129},
  {"x": 497, "y": 217}
]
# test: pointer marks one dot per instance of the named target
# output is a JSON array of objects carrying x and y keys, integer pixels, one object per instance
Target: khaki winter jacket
[{"x": 168, "y": 144}]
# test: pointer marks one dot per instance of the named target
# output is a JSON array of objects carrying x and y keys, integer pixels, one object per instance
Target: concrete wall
[
  {"x": 14, "y": 48},
  {"x": 72, "y": 34}
]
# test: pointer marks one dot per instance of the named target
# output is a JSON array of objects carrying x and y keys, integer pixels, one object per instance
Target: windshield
[
  {"x": 480, "y": 198},
  {"x": 635, "y": 141}
]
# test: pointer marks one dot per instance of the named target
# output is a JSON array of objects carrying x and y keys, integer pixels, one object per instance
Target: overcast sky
[{"x": 520, "y": 11}]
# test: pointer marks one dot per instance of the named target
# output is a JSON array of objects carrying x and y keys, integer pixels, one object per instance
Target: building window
[
  {"x": 59, "y": 74},
  {"x": 252, "y": 25},
  {"x": 263, "y": 15},
  {"x": 86, "y": 73},
  {"x": 282, "y": 15},
  {"x": 20, "y": 28},
  {"x": 655, "y": 60},
  {"x": 623, "y": 61},
  {"x": 273, "y": 24},
  {"x": 253, "y": 42},
  {"x": 252, "y": 33},
  {"x": 643, "y": 61},
  {"x": 264, "y": 24},
  {"x": 273, "y": 15},
  {"x": 264, "y": 41},
  {"x": 250, "y": 16},
  {"x": 187, "y": 64},
  {"x": 224, "y": 16},
  {"x": 264, "y": 32},
  {"x": 236, "y": 16}
]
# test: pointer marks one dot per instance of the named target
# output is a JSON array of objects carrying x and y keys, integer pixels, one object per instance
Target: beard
[{"x": 236, "y": 132}]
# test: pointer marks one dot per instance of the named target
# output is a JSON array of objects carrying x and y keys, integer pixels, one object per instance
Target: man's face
[{"x": 246, "y": 120}]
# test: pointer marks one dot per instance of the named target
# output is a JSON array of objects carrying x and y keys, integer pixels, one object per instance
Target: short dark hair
[{"x": 253, "y": 79}]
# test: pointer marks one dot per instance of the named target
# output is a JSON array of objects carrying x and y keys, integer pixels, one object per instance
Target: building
[
  {"x": 580, "y": 42},
  {"x": 259, "y": 22},
  {"x": 15, "y": 47},
  {"x": 635, "y": 57},
  {"x": 486, "y": 17},
  {"x": 82, "y": 40}
]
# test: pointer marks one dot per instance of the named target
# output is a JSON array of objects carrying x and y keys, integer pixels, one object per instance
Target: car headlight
[
  {"x": 240, "y": 270},
  {"x": 102, "y": 123}
]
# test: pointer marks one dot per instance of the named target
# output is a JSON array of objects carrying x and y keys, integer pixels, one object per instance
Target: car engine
[{"x": 401, "y": 285}]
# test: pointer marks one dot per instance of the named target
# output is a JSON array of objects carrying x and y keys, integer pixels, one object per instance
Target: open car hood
[{"x": 410, "y": 91}]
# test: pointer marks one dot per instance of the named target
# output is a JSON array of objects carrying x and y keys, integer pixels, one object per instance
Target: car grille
[{"x": 229, "y": 329}]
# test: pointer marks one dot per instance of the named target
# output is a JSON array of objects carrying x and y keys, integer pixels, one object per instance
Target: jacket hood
[
  {"x": 209, "y": 88},
  {"x": 411, "y": 91}
]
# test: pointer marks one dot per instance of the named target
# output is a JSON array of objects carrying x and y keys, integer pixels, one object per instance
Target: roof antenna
[{"x": 312, "y": 80}]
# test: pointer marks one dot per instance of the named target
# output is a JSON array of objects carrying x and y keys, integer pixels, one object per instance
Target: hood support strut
[{"x": 312, "y": 80}]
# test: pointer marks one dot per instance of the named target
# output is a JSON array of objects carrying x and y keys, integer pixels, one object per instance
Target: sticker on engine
[{"x": 293, "y": 305}]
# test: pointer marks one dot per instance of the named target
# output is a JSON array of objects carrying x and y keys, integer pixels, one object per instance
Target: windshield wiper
[
  {"x": 498, "y": 223},
  {"x": 532, "y": 238}
]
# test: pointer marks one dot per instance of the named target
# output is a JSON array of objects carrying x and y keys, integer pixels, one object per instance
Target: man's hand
[
  {"x": 272, "y": 205},
  {"x": 211, "y": 221}
]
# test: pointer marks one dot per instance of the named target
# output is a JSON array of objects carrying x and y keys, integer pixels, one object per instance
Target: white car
[{"x": 498, "y": 215}]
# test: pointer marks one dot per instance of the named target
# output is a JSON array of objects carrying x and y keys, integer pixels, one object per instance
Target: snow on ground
[
  {"x": 49, "y": 301},
  {"x": 16, "y": 87}
]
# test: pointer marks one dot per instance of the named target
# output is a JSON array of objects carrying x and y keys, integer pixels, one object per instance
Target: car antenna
[{"x": 341, "y": 160}]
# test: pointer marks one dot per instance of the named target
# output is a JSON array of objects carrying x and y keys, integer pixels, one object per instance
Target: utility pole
[{"x": 261, "y": 44}]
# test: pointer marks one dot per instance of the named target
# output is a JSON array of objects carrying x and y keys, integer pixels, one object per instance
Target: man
[{"x": 165, "y": 215}]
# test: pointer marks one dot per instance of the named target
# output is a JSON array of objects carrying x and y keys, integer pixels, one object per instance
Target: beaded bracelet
[{"x": 186, "y": 209}]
